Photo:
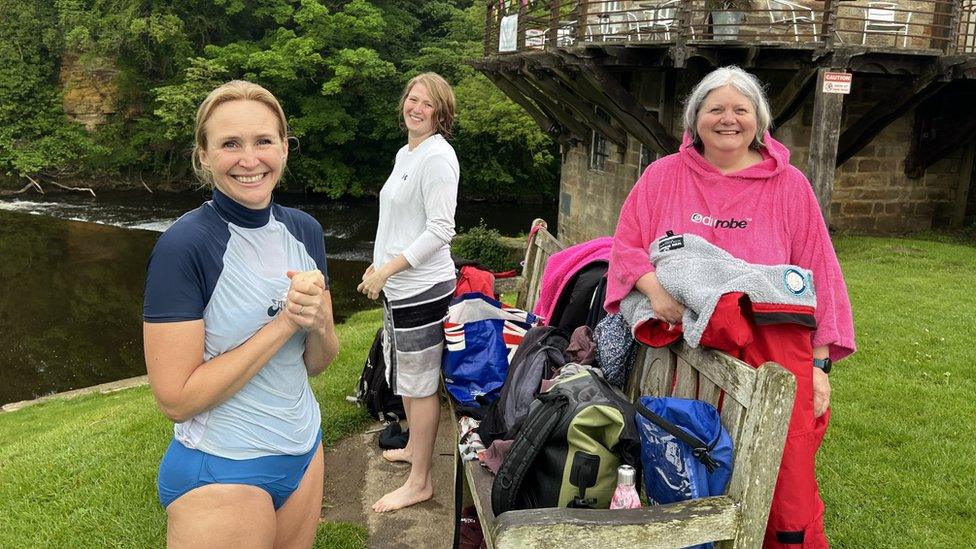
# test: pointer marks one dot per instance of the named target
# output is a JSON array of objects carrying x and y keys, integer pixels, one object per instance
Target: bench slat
[
  {"x": 734, "y": 376},
  {"x": 731, "y": 414},
  {"x": 659, "y": 365},
  {"x": 480, "y": 481},
  {"x": 708, "y": 391},
  {"x": 701, "y": 520},
  {"x": 686, "y": 384}
]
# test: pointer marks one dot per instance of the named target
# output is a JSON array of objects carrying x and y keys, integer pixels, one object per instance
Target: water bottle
[{"x": 625, "y": 496}]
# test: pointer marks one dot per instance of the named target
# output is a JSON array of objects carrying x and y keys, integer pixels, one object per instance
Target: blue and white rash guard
[{"x": 226, "y": 264}]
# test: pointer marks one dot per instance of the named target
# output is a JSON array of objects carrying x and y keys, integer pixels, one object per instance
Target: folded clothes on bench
[{"x": 469, "y": 443}]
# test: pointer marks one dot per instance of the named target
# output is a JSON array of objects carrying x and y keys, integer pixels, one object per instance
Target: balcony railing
[
  {"x": 921, "y": 26},
  {"x": 966, "y": 32}
]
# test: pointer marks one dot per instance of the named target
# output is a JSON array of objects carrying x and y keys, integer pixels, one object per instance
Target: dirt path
[{"x": 356, "y": 475}]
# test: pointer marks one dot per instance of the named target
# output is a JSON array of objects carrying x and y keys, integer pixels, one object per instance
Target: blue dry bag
[
  {"x": 685, "y": 451},
  {"x": 676, "y": 469}
]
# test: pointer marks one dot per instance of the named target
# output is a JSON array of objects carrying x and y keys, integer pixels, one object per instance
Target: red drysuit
[{"x": 757, "y": 333}]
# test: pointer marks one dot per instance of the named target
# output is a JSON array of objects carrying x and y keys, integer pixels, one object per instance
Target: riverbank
[
  {"x": 896, "y": 468},
  {"x": 100, "y": 389}
]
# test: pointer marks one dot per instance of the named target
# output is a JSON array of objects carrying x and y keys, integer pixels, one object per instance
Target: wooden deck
[{"x": 903, "y": 27}]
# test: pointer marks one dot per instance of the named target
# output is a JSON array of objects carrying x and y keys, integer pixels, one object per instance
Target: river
[{"x": 72, "y": 274}]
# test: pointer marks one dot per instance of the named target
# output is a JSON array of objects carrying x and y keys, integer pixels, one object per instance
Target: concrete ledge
[{"x": 104, "y": 388}]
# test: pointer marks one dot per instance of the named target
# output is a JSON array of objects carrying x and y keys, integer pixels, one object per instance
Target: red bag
[{"x": 472, "y": 279}]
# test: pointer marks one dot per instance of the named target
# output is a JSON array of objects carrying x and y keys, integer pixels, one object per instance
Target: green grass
[
  {"x": 897, "y": 469},
  {"x": 82, "y": 472},
  {"x": 898, "y": 466}
]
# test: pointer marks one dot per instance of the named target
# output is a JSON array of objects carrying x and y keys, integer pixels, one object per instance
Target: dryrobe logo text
[{"x": 720, "y": 223}]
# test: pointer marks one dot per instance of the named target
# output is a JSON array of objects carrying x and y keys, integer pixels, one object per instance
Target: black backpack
[
  {"x": 541, "y": 353},
  {"x": 373, "y": 391},
  {"x": 567, "y": 451},
  {"x": 581, "y": 299}
]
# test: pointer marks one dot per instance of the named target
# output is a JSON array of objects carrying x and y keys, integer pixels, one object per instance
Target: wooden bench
[{"x": 755, "y": 411}]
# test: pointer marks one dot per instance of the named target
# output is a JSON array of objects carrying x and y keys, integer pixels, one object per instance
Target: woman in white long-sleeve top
[{"x": 412, "y": 267}]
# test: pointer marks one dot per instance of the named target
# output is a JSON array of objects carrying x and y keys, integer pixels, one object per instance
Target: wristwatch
[{"x": 824, "y": 364}]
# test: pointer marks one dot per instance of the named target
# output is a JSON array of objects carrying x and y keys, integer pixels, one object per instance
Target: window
[
  {"x": 599, "y": 148},
  {"x": 646, "y": 157}
]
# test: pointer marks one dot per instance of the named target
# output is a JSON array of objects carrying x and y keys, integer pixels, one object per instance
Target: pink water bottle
[{"x": 625, "y": 496}]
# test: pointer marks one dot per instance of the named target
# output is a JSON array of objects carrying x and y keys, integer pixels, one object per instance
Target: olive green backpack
[{"x": 568, "y": 449}]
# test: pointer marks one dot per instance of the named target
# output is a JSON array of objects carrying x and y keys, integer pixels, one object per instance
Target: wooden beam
[
  {"x": 554, "y": 110},
  {"x": 827, "y": 108},
  {"x": 588, "y": 91},
  {"x": 561, "y": 94},
  {"x": 963, "y": 185},
  {"x": 954, "y": 127},
  {"x": 671, "y": 109},
  {"x": 545, "y": 123},
  {"x": 888, "y": 109},
  {"x": 791, "y": 98},
  {"x": 624, "y": 105}
]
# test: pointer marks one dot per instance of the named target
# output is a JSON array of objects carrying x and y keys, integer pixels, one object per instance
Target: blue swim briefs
[{"x": 183, "y": 469}]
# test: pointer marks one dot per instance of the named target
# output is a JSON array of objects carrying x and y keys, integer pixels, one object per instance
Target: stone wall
[
  {"x": 589, "y": 201},
  {"x": 872, "y": 194}
]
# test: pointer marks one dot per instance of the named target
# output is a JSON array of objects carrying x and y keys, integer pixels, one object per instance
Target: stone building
[{"x": 607, "y": 78}]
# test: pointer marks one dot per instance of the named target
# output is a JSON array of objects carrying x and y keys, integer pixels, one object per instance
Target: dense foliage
[
  {"x": 337, "y": 66},
  {"x": 485, "y": 246}
]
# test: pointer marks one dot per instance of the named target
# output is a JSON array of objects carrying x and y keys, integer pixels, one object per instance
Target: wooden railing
[
  {"x": 925, "y": 26},
  {"x": 966, "y": 31}
]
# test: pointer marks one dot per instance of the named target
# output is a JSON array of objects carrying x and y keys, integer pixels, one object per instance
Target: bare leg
[
  {"x": 221, "y": 515},
  {"x": 298, "y": 518},
  {"x": 402, "y": 454},
  {"x": 423, "y": 432}
]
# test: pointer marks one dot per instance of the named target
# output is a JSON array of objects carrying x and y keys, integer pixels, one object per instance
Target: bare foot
[
  {"x": 404, "y": 496},
  {"x": 397, "y": 454}
]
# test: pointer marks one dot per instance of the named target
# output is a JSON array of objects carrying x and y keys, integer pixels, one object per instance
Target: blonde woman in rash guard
[
  {"x": 413, "y": 272},
  {"x": 237, "y": 316}
]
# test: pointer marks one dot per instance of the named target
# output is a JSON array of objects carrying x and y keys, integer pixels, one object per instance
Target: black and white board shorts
[{"x": 413, "y": 340}]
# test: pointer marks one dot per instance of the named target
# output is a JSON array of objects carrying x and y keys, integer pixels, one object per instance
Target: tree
[{"x": 337, "y": 66}]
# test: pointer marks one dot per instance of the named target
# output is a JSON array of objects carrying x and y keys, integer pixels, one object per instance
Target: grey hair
[{"x": 747, "y": 84}]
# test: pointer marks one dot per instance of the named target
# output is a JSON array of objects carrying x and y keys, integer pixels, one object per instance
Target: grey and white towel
[{"x": 697, "y": 274}]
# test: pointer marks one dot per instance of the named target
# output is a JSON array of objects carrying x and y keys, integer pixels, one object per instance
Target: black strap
[
  {"x": 790, "y": 538},
  {"x": 528, "y": 443},
  {"x": 699, "y": 449}
]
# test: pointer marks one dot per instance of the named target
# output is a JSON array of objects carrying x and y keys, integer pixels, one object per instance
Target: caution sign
[{"x": 837, "y": 82}]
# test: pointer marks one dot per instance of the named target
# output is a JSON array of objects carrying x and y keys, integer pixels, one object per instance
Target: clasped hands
[
  {"x": 373, "y": 282},
  {"x": 309, "y": 304}
]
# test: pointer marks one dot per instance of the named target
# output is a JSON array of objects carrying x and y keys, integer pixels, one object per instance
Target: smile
[{"x": 250, "y": 178}]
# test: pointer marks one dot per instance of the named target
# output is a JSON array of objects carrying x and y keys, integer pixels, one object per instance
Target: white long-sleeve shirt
[{"x": 417, "y": 206}]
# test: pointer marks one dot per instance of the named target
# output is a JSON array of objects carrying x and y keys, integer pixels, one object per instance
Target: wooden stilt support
[
  {"x": 827, "y": 108},
  {"x": 964, "y": 185}
]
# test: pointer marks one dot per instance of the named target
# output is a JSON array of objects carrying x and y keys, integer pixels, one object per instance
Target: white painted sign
[
  {"x": 837, "y": 82},
  {"x": 508, "y": 33}
]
